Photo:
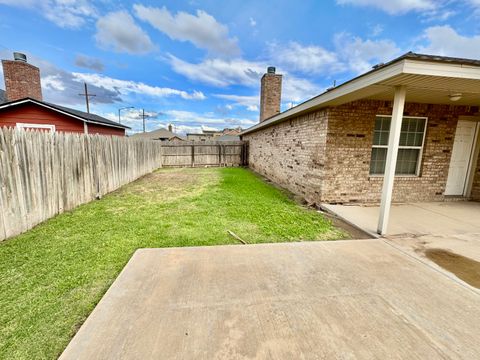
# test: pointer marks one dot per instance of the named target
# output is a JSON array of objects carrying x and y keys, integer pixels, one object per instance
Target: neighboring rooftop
[
  {"x": 158, "y": 134},
  {"x": 227, "y": 138}
]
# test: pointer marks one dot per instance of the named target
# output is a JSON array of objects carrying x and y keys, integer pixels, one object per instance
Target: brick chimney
[
  {"x": 270, "y": 94},
  {"x": 22, "y": 79}
]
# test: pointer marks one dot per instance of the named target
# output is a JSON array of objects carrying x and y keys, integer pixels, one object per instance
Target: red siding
[
  {"x": 36, "y": 114},
  {"x": 105, "y": 130}
]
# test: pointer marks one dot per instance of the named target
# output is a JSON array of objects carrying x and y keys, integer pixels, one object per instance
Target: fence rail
[
  {"x": 44, "y": 174},
  {"x": 205, "y": 153}
]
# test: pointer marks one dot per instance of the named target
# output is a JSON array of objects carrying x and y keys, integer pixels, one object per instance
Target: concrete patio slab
[
  {"x": 318, "y": 300},
  {"x": 436, "y": 218}
]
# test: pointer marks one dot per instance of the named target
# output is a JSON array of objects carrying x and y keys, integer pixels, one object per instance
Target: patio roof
[{"x": 427, "y": 78}]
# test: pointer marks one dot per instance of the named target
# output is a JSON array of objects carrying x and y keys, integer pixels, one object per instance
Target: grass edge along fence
[{"x": 44, "y": 174}]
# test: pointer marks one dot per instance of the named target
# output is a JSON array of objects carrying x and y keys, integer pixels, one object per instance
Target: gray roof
[
  {"x": 437, "y": 58},
  {"x": 227, "y": 138},
  {"x": 87, "y": 117},
  {"x": 158, "y": 134},
  {"x": 3, "y": 96}
]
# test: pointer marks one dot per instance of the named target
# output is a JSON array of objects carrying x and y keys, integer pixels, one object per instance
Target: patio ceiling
[
  {"x": 426, "y": 82},
  {"x": 431, "y": 89}
]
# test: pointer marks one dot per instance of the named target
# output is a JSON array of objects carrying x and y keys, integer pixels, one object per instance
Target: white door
[{"x": 462, "y": 154}]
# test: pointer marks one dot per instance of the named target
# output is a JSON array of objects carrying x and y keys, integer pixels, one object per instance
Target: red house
[{"x": 24, "y": 107}]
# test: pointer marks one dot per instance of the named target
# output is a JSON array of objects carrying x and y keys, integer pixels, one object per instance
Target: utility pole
[
  {"x": 87, "y": 97},
  {"x": 143, "y": 116}
]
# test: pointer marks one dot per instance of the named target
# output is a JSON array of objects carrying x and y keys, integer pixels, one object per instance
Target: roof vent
[
  {"x": 19, "y": 57},
  {"x": 271, "y": 70},
  {"x": 377, "y": 66}
]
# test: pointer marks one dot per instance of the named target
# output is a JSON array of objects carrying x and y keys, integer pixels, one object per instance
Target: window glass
[{"x": 411, "y": 143}]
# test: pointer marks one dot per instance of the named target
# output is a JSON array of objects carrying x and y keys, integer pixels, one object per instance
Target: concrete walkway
[
  {"x": 318, "y": 300},
  {"x": 417, "y": 227},
  {"x": 435, "y": 218}
]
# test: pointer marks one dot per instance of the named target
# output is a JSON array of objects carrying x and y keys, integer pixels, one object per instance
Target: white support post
[{"x": 391, "y": 162}]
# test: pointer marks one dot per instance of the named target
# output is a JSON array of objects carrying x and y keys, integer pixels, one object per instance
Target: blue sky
[{"x": 198, "y": 63}]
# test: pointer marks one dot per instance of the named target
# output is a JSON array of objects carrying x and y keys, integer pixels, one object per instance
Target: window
[
  {"x": 410, "y": 150},
  {"x": 41, "y": 127}
]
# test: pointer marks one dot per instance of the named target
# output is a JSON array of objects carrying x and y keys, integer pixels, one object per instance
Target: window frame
[
  {"x": 421, "y": 148},
  {"x": 26, "y": 126}
]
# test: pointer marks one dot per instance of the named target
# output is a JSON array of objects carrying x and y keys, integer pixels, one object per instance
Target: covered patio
[
  {"x": 398, "y": 152},
  {"x": 448, "y": 219}
]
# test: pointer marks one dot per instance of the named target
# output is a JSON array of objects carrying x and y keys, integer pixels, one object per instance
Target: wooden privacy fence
[
  {"x": 204, "y": 153},
  {"x": 44, "y": 174}
]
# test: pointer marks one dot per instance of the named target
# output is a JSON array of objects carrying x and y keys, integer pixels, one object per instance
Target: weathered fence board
[
  {"x": 44, "y": 174},
  {"x": 205, "y": 153}
]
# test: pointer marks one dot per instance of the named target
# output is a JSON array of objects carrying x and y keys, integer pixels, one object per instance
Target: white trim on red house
[
  {"x": 35, "y": 126},
  {"x": 57, "y": 110}
]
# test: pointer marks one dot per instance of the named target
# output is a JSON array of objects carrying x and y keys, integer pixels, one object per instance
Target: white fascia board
[
  {"x": 369, "y": 79},
  {"x": 427, "y": 68}
]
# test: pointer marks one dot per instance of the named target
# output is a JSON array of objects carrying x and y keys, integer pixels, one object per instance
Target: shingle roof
[
  {"x": 437, "y": 58},
  {"x": 88, "y": 117},
  {"x": 227, "y": 138},
  {"x": 3, "y": 96},
  {"x": 156, "y": 134}
]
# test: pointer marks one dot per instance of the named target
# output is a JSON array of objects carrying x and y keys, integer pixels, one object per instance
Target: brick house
[
  {"x": 22, "y": 106},
  {"x": 337, "y": 147}
]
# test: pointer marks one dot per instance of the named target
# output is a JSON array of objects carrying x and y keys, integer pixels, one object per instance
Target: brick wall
[
  {"x": 335, "y": 168},
  {"x": 476, "y": 182},
  {"x": 350, "y": 136},
  {"x": 21, "y": 80},
  {"x": 292, "y": 153}
]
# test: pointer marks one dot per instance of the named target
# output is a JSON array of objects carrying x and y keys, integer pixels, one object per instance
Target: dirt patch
[
  {"x": 463, "y": 267},
  {"x": 171, "y": 184}
]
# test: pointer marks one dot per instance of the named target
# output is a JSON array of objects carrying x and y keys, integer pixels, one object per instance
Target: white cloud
[
  {"x": 308, "y": 59},
  {"x": 126, "y": 87},
  {"x": 119, "y": 32},
  {"x": 223, "y": 73},
  {"x": 64, "y": 13},
  {"x": 220, "y": 72},
  {"x": 394, "y": 7},
  {"x": 443, "y": 40},
  {"x": 359, "y": 55},
  {"x": 249, "y": 102},
  {"x": 252, "y": 22},
  {"x": 377, "y": 30},
  {"x": 53, "y": 82},
  {"x": 202, "y": 29}
]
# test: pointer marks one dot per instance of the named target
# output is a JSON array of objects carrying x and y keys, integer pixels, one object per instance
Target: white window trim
[
  {"x": 421, "y": 148},
  {"x": 36, "y": 126}
]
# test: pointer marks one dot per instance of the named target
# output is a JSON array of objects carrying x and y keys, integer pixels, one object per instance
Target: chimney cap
[
  {"x": 17, "y": 56},
  {"x": 271, "y": 70}
]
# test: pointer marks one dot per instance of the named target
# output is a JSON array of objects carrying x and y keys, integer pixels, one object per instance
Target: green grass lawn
[{"x": 52, "y": 277}]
